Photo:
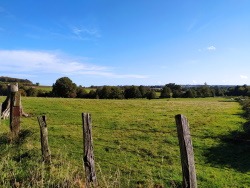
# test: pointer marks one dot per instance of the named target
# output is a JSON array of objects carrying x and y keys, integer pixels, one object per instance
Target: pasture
[{"x": 135, "y": 143}]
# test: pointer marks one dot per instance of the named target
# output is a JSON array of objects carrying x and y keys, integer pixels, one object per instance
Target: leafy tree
[
  {"x": 132, "y": 92},
  {"x": 190, "y": 93},
  {"x": 31, "y": 92},
  {"x": 116, "y": 93},
  {"x": 81, "y": 92},
  {"x": 64, "y": 87},
  {"x": 92, "y": 94},
  {"x": 104, "y": 92},
  {"x": 166, "y": 92},
  {"x": 204, "y": 91},
  {"x": 144, "y": 90},
  {"x": 3, "y": 89},
  {"x": 151, "y": 94}
]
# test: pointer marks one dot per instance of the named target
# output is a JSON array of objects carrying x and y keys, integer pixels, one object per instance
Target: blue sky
[{"x": 126, "y": 42}]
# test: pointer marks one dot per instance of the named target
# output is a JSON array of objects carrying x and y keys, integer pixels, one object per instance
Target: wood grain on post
[
  {"x": 187, "y": 154},
  {"x": 88, "y": 158},
  {"x": 44, "y": 139},
  {"x": 15, "y": 111}
]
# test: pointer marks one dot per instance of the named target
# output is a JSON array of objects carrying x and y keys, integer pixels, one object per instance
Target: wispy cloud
[
  {"x": 83, "y": 33},
  {"x": 244, "y": 77},
  {"x": 211, "y": 48},
  {"x": 35, "y": 63}
]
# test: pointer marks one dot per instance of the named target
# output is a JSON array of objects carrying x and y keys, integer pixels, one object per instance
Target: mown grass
[{"x": 135, "y": 142}]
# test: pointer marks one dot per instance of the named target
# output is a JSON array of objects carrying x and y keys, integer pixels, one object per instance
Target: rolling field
[{"x": 135, "y": 143}]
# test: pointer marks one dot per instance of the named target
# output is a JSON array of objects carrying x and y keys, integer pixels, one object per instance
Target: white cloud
[
  {"x": 83, "y": 33},
  {"x": 211, "y": 48},
  {"x": 35, "y": 63},
  {"x": 243, "y": 77}
]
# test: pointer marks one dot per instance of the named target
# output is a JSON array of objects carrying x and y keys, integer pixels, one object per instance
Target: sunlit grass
[{"x": 135, "y": 141}]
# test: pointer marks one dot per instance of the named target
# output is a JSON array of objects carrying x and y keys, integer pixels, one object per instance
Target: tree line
[{"x": 66, "y": 88}]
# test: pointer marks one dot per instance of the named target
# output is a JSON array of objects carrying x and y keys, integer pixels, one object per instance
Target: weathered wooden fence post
[
  {"x": 44, "y": 139},
  {"x": 187, "y": 154},
  {"x": 15, "y": 111},
  {"x": 88, "y": 158}
]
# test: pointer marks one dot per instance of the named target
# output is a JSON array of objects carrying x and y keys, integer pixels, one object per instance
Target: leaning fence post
[
  {"x": 44, "y": 139},
  {"x": 88, "y": 158},
  {"x": 187, "y": 154},
  {"x": 15, "y": 110}
]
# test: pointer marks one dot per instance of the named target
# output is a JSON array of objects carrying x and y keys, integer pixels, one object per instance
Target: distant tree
[
  {"x": 81, "y": 92},
  {"x": 3, "y": 89},
  {"x": 166, "y": 92},
  {"x": 116, "y": 93},
  {"x": 31, "y": 92},
  {"x": 144, "y": 90},
  {"x": 151, "y": 94},
  {"x": 104, "y": 92},
  {"x": 190, "y": 93},
  {"x": 64, "y": 87},
  {"x": 92, "y": 94},
  {"x": 177, "y": 93},
  {"x": 204, "y": 91},
  {"x": 132, "y": 92}
]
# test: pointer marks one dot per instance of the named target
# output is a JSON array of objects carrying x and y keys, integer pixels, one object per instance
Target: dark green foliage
[
  {"x": 32, "y": 92},
  {"x": 239, "y": 91},
  {"x": 204, "y": 91},
  {"x": 92, "y": 95},
  {"x": 81, "y": 92},
  {"x": 64, "y": 87},
  {"x": 132, "y": 92},
  {"x": 3, "y": 89},
  {"x": 11, "y": 80},
  {"x": 166, "y": 92},
  {"x": 151, "y": 94},
  {"x": 190, "y": 93},
  {"x": 110, "y": 92}
]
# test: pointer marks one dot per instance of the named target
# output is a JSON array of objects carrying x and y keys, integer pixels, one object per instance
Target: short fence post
[
  {"x": 44, "y": 139},
  {"x": 15, "y": 111},
  {"x": 186, "y": 150},
  {"x": 88, "y": 158}
]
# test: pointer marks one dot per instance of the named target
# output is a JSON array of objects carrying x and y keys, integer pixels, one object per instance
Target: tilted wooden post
[
  {"x": 15, "y": 111},
  {"x": 187, "y": 154},
  {"x": 88, "y": 158},
  {"x": 44, "y": 139}
]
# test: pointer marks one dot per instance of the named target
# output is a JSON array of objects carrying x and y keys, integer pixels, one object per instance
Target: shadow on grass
[
  {"x": 5, "y": 137},
  {"x": 233, "y": 152}
]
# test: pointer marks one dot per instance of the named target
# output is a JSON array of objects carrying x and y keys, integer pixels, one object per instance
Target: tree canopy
[{"x": 64, "y": 87}]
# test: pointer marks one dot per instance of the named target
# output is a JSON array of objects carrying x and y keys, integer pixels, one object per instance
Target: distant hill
[{"x": 10, "y": 80}]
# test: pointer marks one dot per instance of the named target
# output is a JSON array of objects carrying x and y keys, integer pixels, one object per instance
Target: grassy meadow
[{"x": 135, "y": 143}]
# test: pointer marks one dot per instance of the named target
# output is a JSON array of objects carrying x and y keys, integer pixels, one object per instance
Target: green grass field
[{"x": 135, "y": 143}]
